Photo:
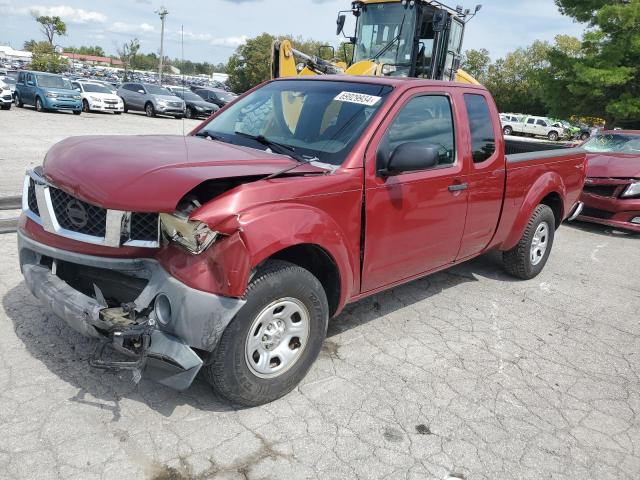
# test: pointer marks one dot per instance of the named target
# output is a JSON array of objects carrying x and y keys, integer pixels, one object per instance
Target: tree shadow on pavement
[{"x": 66, "y": 353}]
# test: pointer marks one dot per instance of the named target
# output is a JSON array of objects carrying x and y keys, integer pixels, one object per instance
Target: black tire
[
  {"x": 39, "y": 105},
  {"x": 178, "y": 117},
  {"x": 19, "y": 102},
  {"x": 228, "y": 369},
  {"x": 584, "y": 136},
  {"x": 124, "y": 107},
  {"x": 150, "y": 110},
  {"x": 117, "y": 113},
  {"x": 553, "y": 136},
  {"x": 6, "y": 107},
  {"x": 77, "y": 112},
  {"x": 507, "y": 130},
  {"x": 85, "y": 106},
  {"x": 517, "y": 261},
  {"x": 189, "y": 113}
]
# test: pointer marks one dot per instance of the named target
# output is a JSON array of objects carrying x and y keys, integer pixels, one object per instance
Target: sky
[{"x": 213, "y": 29}]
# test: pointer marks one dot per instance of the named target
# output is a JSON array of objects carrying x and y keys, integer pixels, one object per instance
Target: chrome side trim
[{"x": 118, "y": 223}]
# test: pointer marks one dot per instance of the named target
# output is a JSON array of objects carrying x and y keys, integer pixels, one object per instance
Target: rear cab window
[{"x": 483, "y": 140}]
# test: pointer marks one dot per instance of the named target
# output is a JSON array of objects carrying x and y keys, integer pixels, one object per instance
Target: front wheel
[
  {"x": 527, "y": 259},
  {"x": 85, "y": 106},
  {"x": 553, "y": 136},
  {"x": 149, "y": 110},
  {"x": 189, "y": 113},
  {"x": 77, "y": 112},
  {"x": 39, "y": 107},
  {"x": 584, "y": 136},
  {"x": 6, "y": 107},
  {"x": 270, "y": 345}
]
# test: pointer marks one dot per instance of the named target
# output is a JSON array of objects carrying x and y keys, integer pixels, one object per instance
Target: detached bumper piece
[{"x": 117, "y": 302}]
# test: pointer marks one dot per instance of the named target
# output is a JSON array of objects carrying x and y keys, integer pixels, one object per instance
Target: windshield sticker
[{"x": 359, "y": 98}]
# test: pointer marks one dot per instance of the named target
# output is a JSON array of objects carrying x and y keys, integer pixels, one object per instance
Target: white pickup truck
[{"x": 533, "y": 126}]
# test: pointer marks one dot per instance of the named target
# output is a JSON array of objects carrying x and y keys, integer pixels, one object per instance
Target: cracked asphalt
[{"x": 467, "y": 374}]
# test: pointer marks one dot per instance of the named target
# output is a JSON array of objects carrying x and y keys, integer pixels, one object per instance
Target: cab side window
[
  {"x": 483, "y": 140},
  {"x": 531, "y": 121},
  {"x": 425, "y": 119}
]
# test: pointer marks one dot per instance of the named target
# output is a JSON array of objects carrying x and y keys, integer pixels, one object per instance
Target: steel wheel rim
[
  {"x": 540, "y": 243},
  {"x": 277, "y": 338}
]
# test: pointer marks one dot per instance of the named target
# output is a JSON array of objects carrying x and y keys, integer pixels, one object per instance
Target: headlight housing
[
  {"x": 632, "y": 190},
  {"x": 193, "y": 236},
  {"x": 162, "y": 102},
  {"x": 51, "y": 95},
  {"x": 96, "y": 99},
  {"x": 77, "y": 97}
]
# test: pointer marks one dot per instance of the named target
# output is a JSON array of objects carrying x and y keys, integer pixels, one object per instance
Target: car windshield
[
  {"x": 318, "y": 119},
  {"x": 9, "y": 81},
  {"x": 155, "y": 90},
  {"x": 613, "y": 142},
  {"x": 381, "y": 24},
  {"x": 225, "y": 96},
  {"x": 189, "y": 96},
  {"x": 52, "y": 81},
  {"x": 93, "y": 88}
]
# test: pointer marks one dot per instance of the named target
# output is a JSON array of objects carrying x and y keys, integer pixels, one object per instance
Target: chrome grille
[
  {"x": 78, "y": 216},
  {"x": 63, "y": 214}
]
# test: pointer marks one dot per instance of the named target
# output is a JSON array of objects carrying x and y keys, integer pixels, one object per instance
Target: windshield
[
  {"x": 225, "y": 96},
  {"x": 9, "y": 80},
  {"x": 155, "y": 90},
  {"x": 93, "y": 88},
  {"x": 189, "y": 96},
  {"x": 318, "y": 119},
  {"x": 379, "y": 25},
  {"x": 52, "y": 81},
  {"x": 613, "y": 142}
]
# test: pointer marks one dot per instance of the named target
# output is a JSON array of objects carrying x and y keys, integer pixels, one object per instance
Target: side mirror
[
  {"x": 409, "y": 157},
  {"x": 340, "y": 24}
]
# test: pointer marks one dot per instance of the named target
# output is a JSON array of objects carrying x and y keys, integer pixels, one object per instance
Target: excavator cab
[{"x": 406, "y": 38}]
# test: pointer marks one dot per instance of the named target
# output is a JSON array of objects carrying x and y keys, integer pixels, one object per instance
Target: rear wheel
[
  {"x": 150, "y": 110},
  {"x": 508, "y": 130},
  {"x": 527, "y": 259},
  {"x": 272, "y": 342}
]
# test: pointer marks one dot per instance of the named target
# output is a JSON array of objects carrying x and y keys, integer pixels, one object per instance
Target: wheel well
[
  {"x": 320, "y": 264},
  {"x": 554, "y": 202}
]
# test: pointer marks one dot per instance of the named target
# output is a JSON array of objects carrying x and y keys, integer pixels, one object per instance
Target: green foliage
[
  {"x": 46, "y": 60},
  {"x": 33, "y": 45},
  {"x": 197, "y": 68},
  {"x": 126, "y": 52},
  {"x": 602, "y": 76},
  {"x": 476, "y": 63},
  {"x": 90, "y": 50},
  {"x": 51, "y": 26}
]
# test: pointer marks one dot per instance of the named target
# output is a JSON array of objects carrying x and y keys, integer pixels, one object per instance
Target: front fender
[
  {"x": 269, "y": 229},
  {"x": 547, "y": 183}
]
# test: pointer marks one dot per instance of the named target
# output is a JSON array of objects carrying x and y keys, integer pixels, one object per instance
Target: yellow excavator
[{"x": 406, "y": 38}]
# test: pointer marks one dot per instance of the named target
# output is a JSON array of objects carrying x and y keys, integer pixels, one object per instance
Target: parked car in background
[
  {"x": 213, "y": 95},
  {"x": 611, "y": 194},
  {"x": 229, "y": 249},
  {"x": 151, "y": 99},
  {"x": 11, "y": 83},
  {"x": 6, "y": 98},
  {"x": 534, "y": 126},
  {"x": 196, "y": 107},
  {"x": 97, "y": 97},
  {"x": 47, "y": 91}
]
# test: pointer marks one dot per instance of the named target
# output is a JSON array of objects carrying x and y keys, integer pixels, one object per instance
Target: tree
[
  {"x": 126, "y": 53},
  {"x": 90, "y": 50},
  {"x": 45, "y": 59},
  {"x": 33, "y": 45},
  {"x": 602, "y": 77},
  {"x": 476, "y": 63},
  {"x": 251, "y": 63},
  {"x": 51, "y": 26}
]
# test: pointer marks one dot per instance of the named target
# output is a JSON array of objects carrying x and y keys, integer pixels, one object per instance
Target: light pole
[{"x": 163, "y": 13}]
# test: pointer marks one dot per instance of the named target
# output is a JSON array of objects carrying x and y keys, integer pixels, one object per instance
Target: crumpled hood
[
  {"x": 613, "y": 165},
  {"x": 151, "y": 173}
]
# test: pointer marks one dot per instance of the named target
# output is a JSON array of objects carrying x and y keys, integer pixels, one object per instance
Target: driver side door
[{"x": 414, "y": 221}]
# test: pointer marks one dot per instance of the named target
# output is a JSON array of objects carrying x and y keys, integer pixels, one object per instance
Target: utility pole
[{"x": 163, "y": 13}]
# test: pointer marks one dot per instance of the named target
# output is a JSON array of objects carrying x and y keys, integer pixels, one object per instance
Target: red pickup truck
[{"x": 228, "y": 250}]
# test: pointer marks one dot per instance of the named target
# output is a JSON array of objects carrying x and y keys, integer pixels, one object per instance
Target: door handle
[{"x": 458, "y": 187}]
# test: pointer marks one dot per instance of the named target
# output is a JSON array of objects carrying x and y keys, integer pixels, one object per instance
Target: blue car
[{"x": 47, "y": 91}]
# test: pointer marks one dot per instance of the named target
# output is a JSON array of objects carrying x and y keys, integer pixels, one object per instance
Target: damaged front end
[{"x": 132, "y": 306}]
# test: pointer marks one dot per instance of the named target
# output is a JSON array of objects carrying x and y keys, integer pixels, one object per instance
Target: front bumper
[
  {"x": 106, "y": 107},
  {"x": 61, "y": 104},
  {"x": 613, "y": 211},
  {"x": 169, "y": 110},
  {"x": 196, "y": 321}
]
